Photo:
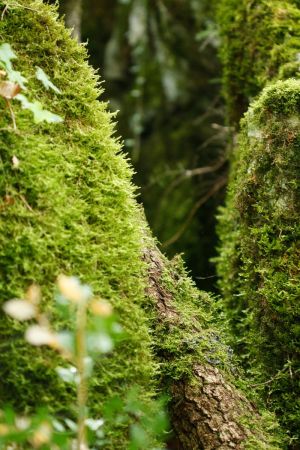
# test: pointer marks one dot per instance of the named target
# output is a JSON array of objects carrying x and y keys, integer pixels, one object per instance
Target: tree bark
[{"x": 207, "y": 411}]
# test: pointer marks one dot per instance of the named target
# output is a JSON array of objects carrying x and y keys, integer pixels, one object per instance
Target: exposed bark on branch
[{"x": 207, "y": 411}]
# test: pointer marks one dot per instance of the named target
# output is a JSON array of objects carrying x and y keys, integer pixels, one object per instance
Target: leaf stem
[
  {"x": 82, "y": 390},
  {"x": 12, "y": 114}
]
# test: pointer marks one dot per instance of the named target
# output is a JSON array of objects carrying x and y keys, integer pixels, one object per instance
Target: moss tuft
[{"x": 69, "y": 208}]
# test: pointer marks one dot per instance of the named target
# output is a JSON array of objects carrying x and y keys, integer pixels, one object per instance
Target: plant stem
[
  {"x": 82, "y": 389},
  {"x": 12, "y": 114}
]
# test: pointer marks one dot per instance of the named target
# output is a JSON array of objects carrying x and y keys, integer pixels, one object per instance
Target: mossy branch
[{"x": 207, "y": 409}]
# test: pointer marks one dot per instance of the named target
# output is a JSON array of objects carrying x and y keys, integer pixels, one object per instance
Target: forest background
[{"x": 161, "y": 71}]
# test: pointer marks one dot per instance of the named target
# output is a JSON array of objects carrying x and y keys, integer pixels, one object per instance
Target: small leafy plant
[
  {"x": 95, "y": 331},
  {"x": 12, "y": 83}
]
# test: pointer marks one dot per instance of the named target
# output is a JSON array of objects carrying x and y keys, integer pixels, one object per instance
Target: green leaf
[
  {"x": 17, "y": 77},
  {"x": 67, "y": 340},
  {"x": 43, "y": 115},
  {"x": 39, "y": 114},
  {"x": 9, "y": 415},
  {"x": 43, "y": 78},
  {"x": 6, "y": 55},
  {"x": 112, "y": 407},
  {"x": 99, "y": 342},
  {"x": 139, "y": 437},
  {"x": 94, "y": 424},
  {"x": 24, "y": 101},
  {"x": 71, "y": 424},
  {"x": 67, "y": 374}
]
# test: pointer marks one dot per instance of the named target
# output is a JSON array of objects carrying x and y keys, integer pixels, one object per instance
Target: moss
[
  {"x": 260, "y": 42},
  {"x": 195, "y": 336},
  {"x": 193, "y": 333},
  {"x": 270, "y": 428},
  {"x": 259, "y": 249},
  {"x": 259, "y": 256},
  {"x": 69, "y": 208}
]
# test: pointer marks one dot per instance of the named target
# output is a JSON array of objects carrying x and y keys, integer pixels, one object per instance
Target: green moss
[
  {"x": 270, "y": 428},
  {"x": 259, "y": 253},
  {"x": 260, "y": 42},
  {"x": 193, "y": 332},
  {"x": 194, "y": 337},
  {"x": 69, "y": 208},
  {"x": 258, "y": 259}
]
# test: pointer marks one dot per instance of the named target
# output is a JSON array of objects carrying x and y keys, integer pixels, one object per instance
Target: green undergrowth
[
  {"x": 194, "y": 332},
  {"x": 68, "y": 208},
  {"x": 260, "y": 43},
  {"x": 259, "y": 257}
]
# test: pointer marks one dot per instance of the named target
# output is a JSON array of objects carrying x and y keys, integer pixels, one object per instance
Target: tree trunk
[
  {"x": 258, "y": 262},
  {"x": 73, "y": 15}
]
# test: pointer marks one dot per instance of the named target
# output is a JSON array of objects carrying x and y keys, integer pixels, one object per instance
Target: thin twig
[
  {"x": 12, "y": 114},
  {"x": 271, "y": 379},
  {"x": 207, "y": 278},
  {"x": 25, "y": 202},
  {"x": 203, "y": 170},
  {"x": 211, "y": 110},
  {"x": 4, "y": 11},
  {"x": 189, "y": 173},
  {"x": 216, "y": 187}
]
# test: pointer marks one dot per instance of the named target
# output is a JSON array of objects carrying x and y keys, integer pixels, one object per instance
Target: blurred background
[{"x": 159, "y": 60}]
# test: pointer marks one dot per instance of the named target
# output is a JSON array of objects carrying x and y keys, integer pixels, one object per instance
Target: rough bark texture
[{"x": 207, "y": 410}]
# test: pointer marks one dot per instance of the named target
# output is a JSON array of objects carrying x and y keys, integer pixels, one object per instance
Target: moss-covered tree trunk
[
  {"x": 207, "y": 409},
  {"x": 259, "y": 226},
  {"x": 69, "y": 206}
]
